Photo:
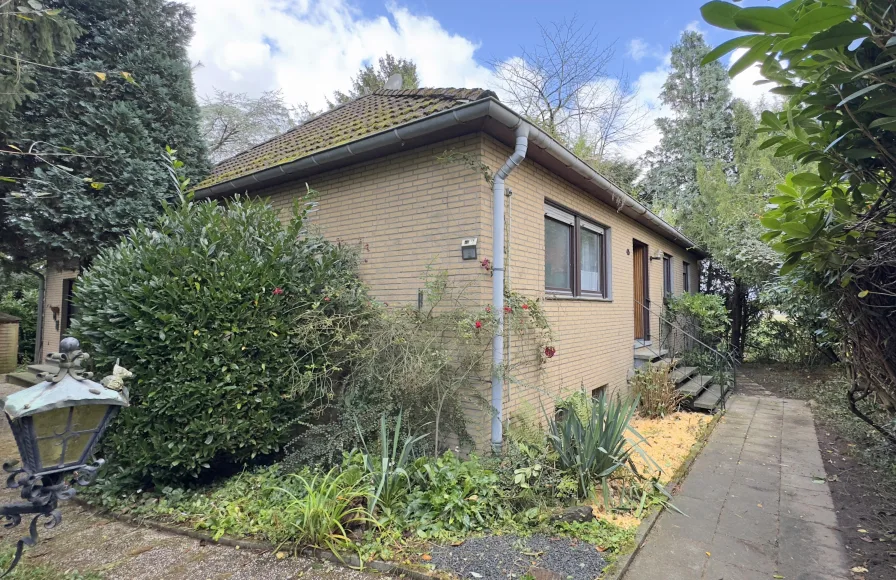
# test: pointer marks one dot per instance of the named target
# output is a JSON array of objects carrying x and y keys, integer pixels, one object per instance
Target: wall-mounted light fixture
[
  {"x": 468, "y": 248},
  {"x": 659, "y": 256}
]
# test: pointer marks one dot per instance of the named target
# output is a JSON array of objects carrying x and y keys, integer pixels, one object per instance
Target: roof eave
[{"x": 466, "y": 114}]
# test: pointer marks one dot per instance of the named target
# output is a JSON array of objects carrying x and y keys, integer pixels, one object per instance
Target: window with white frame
[{"x": 575, "y": 254}]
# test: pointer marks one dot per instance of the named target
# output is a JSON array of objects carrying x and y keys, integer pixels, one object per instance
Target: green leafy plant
[
  {"x": 234, "y": 325},
  {"x": 452, "y": 496},
  {"x": 387, "y": 470},
  {"x": 702, "y": 315},
  {"x": 595, "y": 442},
  {"x": 834, "y": 225},
  {"x": 657, "y": 393},
  {"x": 327, "y": 508}
]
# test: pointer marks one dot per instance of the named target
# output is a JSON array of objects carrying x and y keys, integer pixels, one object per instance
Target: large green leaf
[
  {"x": 859, "y": 93},
  {"x": 838, "y": 36},
  {"x": 764, "y": 19},
  {"x": 728, "y": 46},
  {"x": 750, "y": 57},
  {"x": 720, "y": 14},
  {"x": 796, "y": 229},
  {"x": 821, "y": 19},
  {"x": 807, "y": 179}
]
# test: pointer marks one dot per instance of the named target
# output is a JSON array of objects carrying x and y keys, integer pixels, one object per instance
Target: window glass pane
[
  {"x": 556, "y": 255},
  {"x": 590, "y": 260}
]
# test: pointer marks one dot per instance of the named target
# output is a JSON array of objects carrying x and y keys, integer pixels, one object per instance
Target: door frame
[{"x": 644, "y": 331}]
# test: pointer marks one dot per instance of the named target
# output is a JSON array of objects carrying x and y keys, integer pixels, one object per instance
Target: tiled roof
[
  {"x": 373, "y": 113},
  {"x": 7, "y": 318}
]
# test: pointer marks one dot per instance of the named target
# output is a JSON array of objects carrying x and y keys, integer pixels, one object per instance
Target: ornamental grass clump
[
  {"x": 657, "y": 393},
  {"x": 234, "y": 324}
]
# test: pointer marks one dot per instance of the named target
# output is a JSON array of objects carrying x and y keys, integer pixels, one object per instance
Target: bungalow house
[{"x": 381, "y": 163}]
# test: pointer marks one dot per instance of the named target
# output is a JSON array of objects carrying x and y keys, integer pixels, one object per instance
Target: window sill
[{"x": 550, "y": 296}]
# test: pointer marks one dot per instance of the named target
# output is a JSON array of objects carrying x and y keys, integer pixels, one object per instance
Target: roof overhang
[{"x": 488, "y": 115}]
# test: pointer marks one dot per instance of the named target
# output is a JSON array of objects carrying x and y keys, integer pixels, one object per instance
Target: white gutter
[{"x": 519, "y": 153}]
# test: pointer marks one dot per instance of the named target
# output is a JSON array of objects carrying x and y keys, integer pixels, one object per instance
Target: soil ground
[{"x": 864, "y": 492}]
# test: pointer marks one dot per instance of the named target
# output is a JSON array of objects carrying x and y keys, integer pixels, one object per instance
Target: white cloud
[
  {"x": 638, "y": 48},
  {"x": 743, "y": 87},
  {"x": 309, "y": 48}
]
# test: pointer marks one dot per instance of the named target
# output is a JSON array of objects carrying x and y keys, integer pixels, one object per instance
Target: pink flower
[
  {"x": 550, "y": 351},
  {"x": 277, "y": 291},
  {"x": 478, "y": 324},
  {"x": 326, "y": 298},
  {"x": 488, "y": 308}
]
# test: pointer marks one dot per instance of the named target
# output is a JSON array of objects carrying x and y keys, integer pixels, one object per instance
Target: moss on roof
[{"x": 378, "y": 111}]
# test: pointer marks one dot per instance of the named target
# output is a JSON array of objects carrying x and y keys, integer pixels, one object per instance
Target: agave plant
[
  {"x": 596, "y": 439},
  {"x": 388, "y": 468}
]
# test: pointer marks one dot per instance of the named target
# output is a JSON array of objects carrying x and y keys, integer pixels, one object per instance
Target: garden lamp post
[{"x": 56, "y": 424}]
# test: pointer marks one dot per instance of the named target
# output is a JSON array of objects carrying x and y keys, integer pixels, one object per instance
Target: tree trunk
[{"x": 737, "y": 319}]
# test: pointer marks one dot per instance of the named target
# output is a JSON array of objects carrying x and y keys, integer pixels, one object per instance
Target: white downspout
[{"x": 519, "y": 153}]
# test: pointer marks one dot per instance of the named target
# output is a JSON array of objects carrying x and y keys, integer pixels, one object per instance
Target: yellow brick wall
[
  {"x": 55, "y": 275},
  {"x": 9, "y": 346},
  {"x": 593, "y": 339}
]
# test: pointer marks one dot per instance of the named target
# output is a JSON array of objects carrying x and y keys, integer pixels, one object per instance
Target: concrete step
[
  {"x": 666, "y": 361},
  {"x": 649, "y": 354},
  {"x": 44, "y": 368},
  {"x": 681, "y": 374},
  {"x": 710, "y": 400},
  {"x": 694, "y": 386},
  {"x": 22, "y": 379}
]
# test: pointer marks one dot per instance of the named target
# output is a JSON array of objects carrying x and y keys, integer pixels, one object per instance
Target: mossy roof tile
[{"x": 359, "y": 118}]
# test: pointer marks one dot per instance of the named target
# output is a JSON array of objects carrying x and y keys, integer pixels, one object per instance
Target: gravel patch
[{"x": 503, "y": 557}]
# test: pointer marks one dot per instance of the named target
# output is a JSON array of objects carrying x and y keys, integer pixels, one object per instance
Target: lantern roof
[
  {"x": 68, "y": 392},
  {"x": 69, "y": 387}
]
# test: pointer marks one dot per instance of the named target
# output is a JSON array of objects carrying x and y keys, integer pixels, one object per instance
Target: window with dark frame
[
  {"x": 575, "y": 254},
  {"x": 667, "y": 275},
  {"x": 685, "y": 277},
  {"x": 599, "y": 391}
]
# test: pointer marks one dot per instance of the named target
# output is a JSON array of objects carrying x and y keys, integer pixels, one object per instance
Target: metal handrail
[{"x": 728, "y": 358}]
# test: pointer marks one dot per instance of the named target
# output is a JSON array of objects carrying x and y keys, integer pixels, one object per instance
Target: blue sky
[{"x": 307, "y": 49}]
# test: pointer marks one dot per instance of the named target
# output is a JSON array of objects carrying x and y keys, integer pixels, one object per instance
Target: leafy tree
[
  {"x": 370, "y": 79},
  {"x": 623, "y": 172},
  {"x": 234, "y": 122},
  {"x": 31, "y": 36},
  {"x": 83, "y": 156},
  {"x": 564, "y": 85},
  {"x": 701, "y": 130},
  {"x": 836, "y": 226}
]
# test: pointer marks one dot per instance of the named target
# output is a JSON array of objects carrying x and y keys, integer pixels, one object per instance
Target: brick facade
[
  {"x": 9, "y": 346},
  {"x": 53, "y": 307}
]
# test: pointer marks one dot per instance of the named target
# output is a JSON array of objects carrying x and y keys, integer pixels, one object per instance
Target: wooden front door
[{"x": 641, "y": 291}]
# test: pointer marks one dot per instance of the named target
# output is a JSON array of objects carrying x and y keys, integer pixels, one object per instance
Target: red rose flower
[
  {"x": 549, "y": 351},
  {"x": 326, "y": 298},
  {"x": 525, "y": 307},
  {"x": 508, "y": 309},
  {"x": 277, "y": 291},
  {"x": 488, "y": 308},
  {"x": 478, "y": 324}
]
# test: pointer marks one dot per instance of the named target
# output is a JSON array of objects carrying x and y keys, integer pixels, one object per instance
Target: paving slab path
[
  {"x": 85, "y": 541},
  {"x": 756, "y": 501}
]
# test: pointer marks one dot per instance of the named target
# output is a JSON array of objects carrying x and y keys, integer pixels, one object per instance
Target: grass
[{"x": 29, "y": 571}]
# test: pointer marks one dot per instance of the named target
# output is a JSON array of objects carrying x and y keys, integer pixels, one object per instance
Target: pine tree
[
  {"x": 370, "y": 79},
  {"x": 95, "y": 131},
  {"x": 700, "y": 132}
]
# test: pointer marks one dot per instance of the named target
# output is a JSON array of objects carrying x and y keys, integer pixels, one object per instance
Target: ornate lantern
[{"x": 56, "y": 424}]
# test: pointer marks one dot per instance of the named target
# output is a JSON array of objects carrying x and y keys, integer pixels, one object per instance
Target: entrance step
[
  {"x": 681, "y": 374},
  {"x": 710, "y": 400},
  {"x": 666, "y": 361},
  {"x": 22, "y": 379},
  {"x": 646, "y": 353},
  {"x": 694, "y": 386}
]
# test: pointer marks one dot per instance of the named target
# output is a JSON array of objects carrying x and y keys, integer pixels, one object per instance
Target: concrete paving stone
[
  {"x": 811, "y": 483},
  {"x": 810, "y": 513},
  {"x": 711, "y": 488},
  {"x": 820, "y": 498},
  {"x": 802, "y": 469},
  {"x": 797, "y": 556},
  {"x": 690, "y": 527},
  {"x": 662, "y": 557},
  {"x": 816, "y": 534},
  {"x": 760, "y": 556},
  {"x": 770, "y": 473},
  {"x": 718, "y": 570},
  {"x": 754, "y": 527}
]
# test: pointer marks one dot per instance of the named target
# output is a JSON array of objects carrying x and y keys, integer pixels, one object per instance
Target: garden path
[
  {"x": 116, "y": 550},
  {"x": 757, "y": 503}
]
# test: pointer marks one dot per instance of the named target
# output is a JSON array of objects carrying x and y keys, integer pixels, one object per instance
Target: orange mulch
[{"x": 669, "y": 441}]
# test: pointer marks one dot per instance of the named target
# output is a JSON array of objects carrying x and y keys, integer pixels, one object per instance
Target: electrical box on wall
[{"x": 468, "y": 248}]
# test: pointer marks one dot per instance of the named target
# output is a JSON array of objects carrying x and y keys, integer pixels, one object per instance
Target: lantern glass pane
[{"x": 64, "y": 434}]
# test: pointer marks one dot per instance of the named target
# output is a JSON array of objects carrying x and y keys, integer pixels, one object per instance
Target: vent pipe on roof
[{"x": 498, "y": 370}]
